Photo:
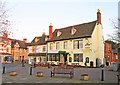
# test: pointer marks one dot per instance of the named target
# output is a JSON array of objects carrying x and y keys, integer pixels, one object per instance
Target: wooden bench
[
  {"x": 63, "y": 71},
  {"x": 42, "y": 64}
]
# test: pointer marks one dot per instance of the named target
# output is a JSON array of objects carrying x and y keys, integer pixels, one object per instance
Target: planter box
[
  {"x": 39, "y": 74},
  {"x": 85, "y": 77},
  {"x": 13, "y": 73}
]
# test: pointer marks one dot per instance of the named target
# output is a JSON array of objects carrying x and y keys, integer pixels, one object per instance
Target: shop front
[
  {"x": 37, "y": 58},
  {"x": 6, "y": 58},
  {"x": 59, "y": 58}
]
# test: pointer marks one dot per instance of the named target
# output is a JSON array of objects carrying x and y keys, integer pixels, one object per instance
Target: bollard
[
  {"x": 118, "y": 79},
  {"x": 102, "y": 75},
  {"x": 3, "y": 69},
  {"x": 30, "y": 70}
]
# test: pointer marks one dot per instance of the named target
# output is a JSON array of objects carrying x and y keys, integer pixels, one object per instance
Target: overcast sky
[{"x": 30, "y": 18}]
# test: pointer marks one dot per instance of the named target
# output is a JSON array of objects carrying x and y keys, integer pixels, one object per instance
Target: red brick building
[{"x": 110, "y": 53}]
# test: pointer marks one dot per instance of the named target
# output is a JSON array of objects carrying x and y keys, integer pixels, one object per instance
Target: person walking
[{"x": 23, "y": 63}]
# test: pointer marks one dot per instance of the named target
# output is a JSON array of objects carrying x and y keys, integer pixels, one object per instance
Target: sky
[{"x": 30, "y": 18}]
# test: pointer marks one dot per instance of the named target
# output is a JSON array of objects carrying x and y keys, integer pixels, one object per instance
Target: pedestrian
[
  {"x": 23, "y": 63},
  {"x": 34, "y": 64}
]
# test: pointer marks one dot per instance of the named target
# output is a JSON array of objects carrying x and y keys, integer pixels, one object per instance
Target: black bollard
[
  {"x": 118, "y": 79},
  {"x": 3, "y": 69},
  {"x": 30, "y": 70},
  {"x": 102, "y": 75}
]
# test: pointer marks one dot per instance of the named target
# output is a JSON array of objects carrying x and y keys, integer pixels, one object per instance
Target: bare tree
[
  {"x": 116, "y": 34},
  {"x": 4, "y": 22}
]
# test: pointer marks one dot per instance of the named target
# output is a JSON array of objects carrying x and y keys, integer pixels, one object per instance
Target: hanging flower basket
[{"x": 13, "y": 73}]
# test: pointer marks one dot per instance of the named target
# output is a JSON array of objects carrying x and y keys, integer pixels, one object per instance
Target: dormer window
[
  {"x": 59, "y": 33},
  {"x": 17, "y": 44},
  {"x": 73, "y": 30},
  {"x": 36, "y": 39},
  {"x": 46, "y": 38}
]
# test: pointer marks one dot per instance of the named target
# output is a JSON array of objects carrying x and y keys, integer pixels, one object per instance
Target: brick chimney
[
  {"x": 43, "y": 35},
  {"x": 50, "y": 30},
  {"x": 98, "y": 17},
  {"x": 25, "y": 40}
]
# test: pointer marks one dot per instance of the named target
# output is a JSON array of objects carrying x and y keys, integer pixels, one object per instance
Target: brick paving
[{"x": 24, "y": 77}]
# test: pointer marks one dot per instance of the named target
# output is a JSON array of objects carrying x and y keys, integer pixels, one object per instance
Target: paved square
[{"x": 23, "y": 75}]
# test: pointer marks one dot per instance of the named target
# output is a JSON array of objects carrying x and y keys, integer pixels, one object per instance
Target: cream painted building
[
  {"x": 37, "y": 50},
  {"x": 77, "y": 44}
]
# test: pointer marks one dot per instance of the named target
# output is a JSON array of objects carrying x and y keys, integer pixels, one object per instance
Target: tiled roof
[
  {"x": 33, "y": 42},
  {"x": 3, "y": 39},
  {"x": 41, "y": 41},
  {"x": 22, "y": 44},
  {"x": 2, "y": 53},
  {"x": 37, "y": 54},
  {"x": 28, "y": 44},
  {"x": 82, "y": 30}
]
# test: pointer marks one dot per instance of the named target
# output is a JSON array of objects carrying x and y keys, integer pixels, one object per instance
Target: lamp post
[{"x": 30, "y": 70}]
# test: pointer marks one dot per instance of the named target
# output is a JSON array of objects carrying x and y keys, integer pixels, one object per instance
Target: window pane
[
  {"x": 50, "y": 57},
  {"x": 51, "y": 46},
  {"x": 78, "y": 57},
  {"x": 57, "y": 57},
  {"x": 75, "y": 44},
  {"x": 53, "y": 57},
  {"x": 44, "y": 48},
  {"x": 70, "y": 59},
  {"x": 33, "y": 49},
  {"x": 57, "y": 45},
  {"x": 65, "y": 45},
  {"x": 80, "y": 44}
]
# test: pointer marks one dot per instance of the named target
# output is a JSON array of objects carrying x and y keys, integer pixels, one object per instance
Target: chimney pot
[
  {"x": 98, "y": 17},
  {"x": 25, "y": 40},
  {"x": 50, "y": 30}
]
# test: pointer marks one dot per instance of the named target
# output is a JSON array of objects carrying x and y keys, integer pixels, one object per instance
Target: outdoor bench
[
  {"x": 75, "y": 65},
  {"x": 63, "y": 71},
  {"x": 42, "y": 64}
]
